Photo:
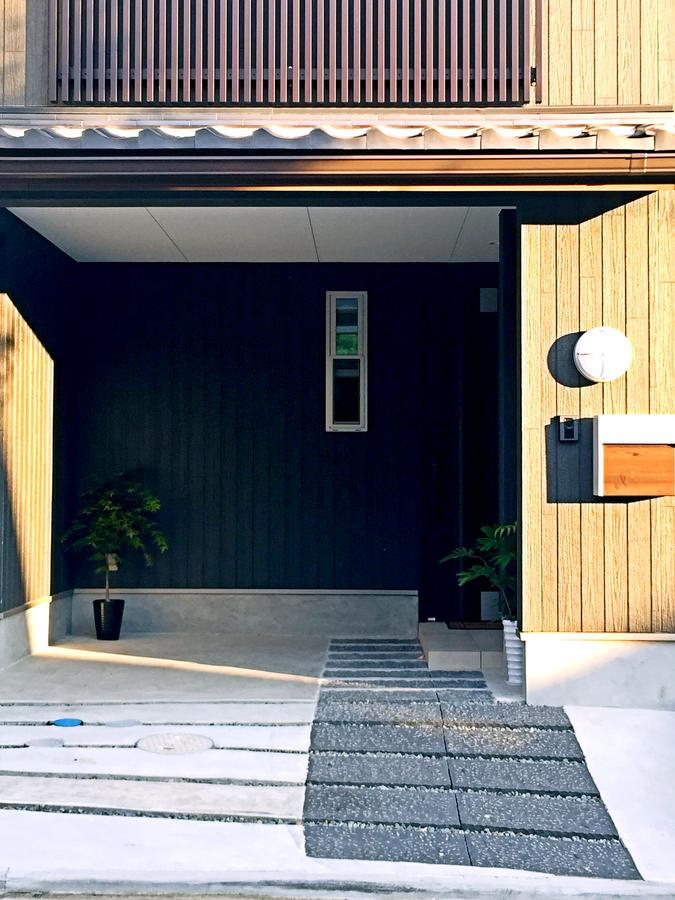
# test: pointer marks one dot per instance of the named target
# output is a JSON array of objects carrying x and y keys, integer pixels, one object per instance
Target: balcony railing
[{"x": 294, "y": 52}]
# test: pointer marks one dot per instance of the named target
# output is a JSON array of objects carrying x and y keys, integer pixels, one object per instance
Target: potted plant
[
  {"x": 492, "y": 556},
  {"x": 116, "y": 515}
]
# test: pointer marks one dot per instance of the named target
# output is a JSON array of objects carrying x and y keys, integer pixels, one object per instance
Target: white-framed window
[{"x": 346, "y": 361}]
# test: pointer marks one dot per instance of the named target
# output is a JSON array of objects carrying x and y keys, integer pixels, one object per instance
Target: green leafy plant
[
  {"x": 116, "y": 514},
  {"x": 492, "y": 554}
]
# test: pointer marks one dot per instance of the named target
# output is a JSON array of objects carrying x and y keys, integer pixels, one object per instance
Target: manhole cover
[
  {"x": 175, "y": 743},
  {"x": 67, "y": 723},
  {"x": 123, "y": 723}
]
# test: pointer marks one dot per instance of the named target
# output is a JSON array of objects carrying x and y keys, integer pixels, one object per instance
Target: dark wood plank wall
[{"x": 212, "y": 377}]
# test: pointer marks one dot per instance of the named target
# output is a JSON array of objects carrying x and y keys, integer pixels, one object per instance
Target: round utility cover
[
  {"x": 67, "y": 723},
  {"x": 603, "y": 354},
  {"x": 44, "y": 742},
  {"x": 123, "y": 723},
  {"x": 175, "y": 743}
]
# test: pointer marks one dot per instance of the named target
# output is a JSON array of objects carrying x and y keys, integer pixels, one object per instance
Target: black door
[{"x": 459, "y": 439}]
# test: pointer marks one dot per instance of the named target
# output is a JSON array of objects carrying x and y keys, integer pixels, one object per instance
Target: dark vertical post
[{"x": 507, "y": 366}]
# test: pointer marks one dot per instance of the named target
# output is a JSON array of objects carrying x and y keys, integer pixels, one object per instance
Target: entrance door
[{"x": 459, "y": 425}]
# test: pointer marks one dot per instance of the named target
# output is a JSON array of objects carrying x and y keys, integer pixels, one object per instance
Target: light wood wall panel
[
  {"x": 590, "y": 565},
  {"x": 608, "y": 52},
  {"x": 26, "y": 443}
]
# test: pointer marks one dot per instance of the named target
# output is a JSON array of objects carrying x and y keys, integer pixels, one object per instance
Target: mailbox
[{"x": 634, "y": 456}]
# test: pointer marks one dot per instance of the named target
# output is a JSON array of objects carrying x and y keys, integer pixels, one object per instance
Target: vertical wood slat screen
[{"x": 250, "y": 52}]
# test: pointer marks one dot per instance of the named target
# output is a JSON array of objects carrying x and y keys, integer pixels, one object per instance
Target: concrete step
[
  {"x": 150, "y": 797},
  {"x": 249, "y": 766},
  {"x": 446, "y": 648}
]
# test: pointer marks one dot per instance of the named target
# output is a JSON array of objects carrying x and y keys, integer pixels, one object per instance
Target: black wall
[{"x": 212, "y": 377}]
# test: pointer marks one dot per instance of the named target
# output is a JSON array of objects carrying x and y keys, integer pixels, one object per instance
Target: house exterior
[{"x": 245, "y": 246}]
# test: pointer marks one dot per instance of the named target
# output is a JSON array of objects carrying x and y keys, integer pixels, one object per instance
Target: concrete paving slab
[
  {"x": 390, "y": 842},
  {"x": 239, "y": 765},
  {"x": 419, "y": 806},
  {"x": 518, "y": 812},
  {"x": 369, "y": 738},
  {"x": 170, "y": 667},
  {"x": 374, "y": 642},
  {"x": 179, "y": 798},
  {"x": 290, "y": 738},
  {"x": 514, "y": 715},
  {"x": 377, "y": 711},
  {"x": 403, "y": 654},
  {"x": 380, "y": 768},
  {"x": 559, "y": 856},
  {"x": 512, "y": 742},
  {"x": 522, "y": 775},
  {"x": 193, "y": 713}
]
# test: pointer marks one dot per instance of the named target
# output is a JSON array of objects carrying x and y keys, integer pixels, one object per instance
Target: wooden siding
[
  {"x": 589, "y": 565},
  {"x": 26, "y": 426},
  {"x": 608, "y": 52},
  {"x": 211, "y": 377}
]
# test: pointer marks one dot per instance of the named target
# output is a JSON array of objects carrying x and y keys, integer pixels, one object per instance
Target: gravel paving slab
[
  {"x": 378, "y": 711},
  {"x": 451, "y": 697},
  {"x": 385, "y": 671},
  {"x": 388, "y": 842},
  {"x": 422, "y": 680},
  {"x": 518, "y": 742},
  {"x": 377, "y": 664},
  {"x": 513, "y": 715},
  {"x": 558, "y": 856},
  {"x": 522, "y": 775},
  {"x": 518, "y": 812},
  {"x": 382, "y": 768},
  {"x": 382, "y": 695},
  {"x": 357, "y": 655},
  {"x": 369, "y": 738},
  {"x": 380, "y": 643},
  {"x": 389, "y": 805}
]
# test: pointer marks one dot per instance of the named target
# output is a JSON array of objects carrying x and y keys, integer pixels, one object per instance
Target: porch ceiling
[{"x": 270, "y": 234}]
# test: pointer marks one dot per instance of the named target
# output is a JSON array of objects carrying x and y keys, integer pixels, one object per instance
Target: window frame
[{"x": 362, "y": 356}]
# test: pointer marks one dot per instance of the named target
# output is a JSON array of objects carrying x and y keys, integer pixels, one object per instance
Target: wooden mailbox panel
[{"x": 639, "y": 470}]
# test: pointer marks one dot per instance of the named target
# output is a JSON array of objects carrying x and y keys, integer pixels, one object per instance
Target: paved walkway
[{"x": 413, "y": 765}]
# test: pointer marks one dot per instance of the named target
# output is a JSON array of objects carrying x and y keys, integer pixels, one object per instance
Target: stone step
[
  {"x": 226, "y": 765},
  {"x": 175, "y": 798},
  {"x": 226, "y": 713},
  {"x": 446, "y": 648},
  {"x": 513, "y": 715},
  {"x": 289, "y": 738}
]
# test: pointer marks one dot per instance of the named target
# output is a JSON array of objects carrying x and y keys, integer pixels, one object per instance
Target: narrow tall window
[{"x": 346, "y": 361}]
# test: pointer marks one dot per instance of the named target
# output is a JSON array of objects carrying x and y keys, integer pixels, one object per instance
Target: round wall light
[{"x": 603, "y": 354}]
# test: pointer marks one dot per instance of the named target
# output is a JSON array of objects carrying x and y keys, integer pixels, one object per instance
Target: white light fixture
[{"x": 603, "y": 354}]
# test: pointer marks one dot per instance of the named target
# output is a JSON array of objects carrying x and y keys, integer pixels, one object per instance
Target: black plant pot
[{"x": 108, "y": 619}]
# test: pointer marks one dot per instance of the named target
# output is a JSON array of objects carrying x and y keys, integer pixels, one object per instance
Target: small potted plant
[
  {"x": 116, "y": 515},
  {"x": 492, "y": 556}
]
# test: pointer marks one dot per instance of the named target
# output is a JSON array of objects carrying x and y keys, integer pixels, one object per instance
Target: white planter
[{"x": 513, "y": 652}]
